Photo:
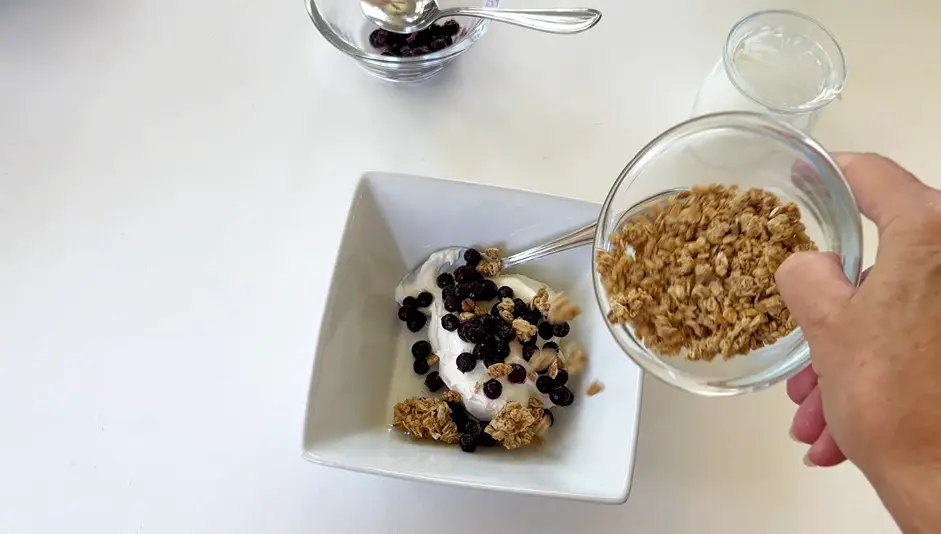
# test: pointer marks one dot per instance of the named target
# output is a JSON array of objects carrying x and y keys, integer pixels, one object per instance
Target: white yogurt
[{"x": 448, "y": 345}]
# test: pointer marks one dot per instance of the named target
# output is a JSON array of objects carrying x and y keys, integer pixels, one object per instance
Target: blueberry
[
  {"x": 547, "y": 413},
  {"x": 545, "y": 330},
  {"x": 545, "y": 384},
  {"x": 562, "y": 396},
  {"x": 472, "y": 257},
  {"x": 448, "y": 41},
  {"x": 530, "y": 342},
  {"x": 485, "y": 440},
  {"x": 475, "y": 290},
  {"x": 562, "y": 377},
  {"x": 462, "y": 331},
  {"x": 533, "y": 317},
  {"x": 450, "y": 322},
  {"x": 494, "y": 311},
  {"x": 433, "y": 381},
  {"x": 445, "y": 280},
  {"x": 505, "y": 332},
  {"x": 421, "y": 349},
  {"x": 468, "y": 442},
  {"x": 501, "y": 350},
  {"x": 490, "y": 290},
  {"x": 406, "y": 311},
  {"x": 453, "y": 304},
  {"x": 464, "y": 274},
  {"x": 550, "y": 345},
  {"x": 451, "y": 28},
  {"x": 481, "y": 351},
  {"x": 416, "y": 322},
  {"x": 420, "y": 366},
  {"x": 488, "y": 323},
  {"x": 458, "y": 414},
  {"x": 437, "y": 45},
  {"x": 473, "y": 428},
  {"x": 406, "y": 51},
  {"x": 505, "y": 292},
  {"x": 517, "y": 374},
  {"x": 424, "y": 299},
  {"x": 410, "y": 301},
  {"x": 561, "y": 329},
  {"x": 466, "y": 362},
  {"x": 379, "y": 39},
  {"x": 463, "y": 290},
  {"x": 520, "y": 309},
  {"x": 473, "y": 332},
  {"x": 493, "y": 389},
  {"x": 491, "y": 360},
  {"x": 528, "y": 351},
  {"x": 449, "y": 292}
]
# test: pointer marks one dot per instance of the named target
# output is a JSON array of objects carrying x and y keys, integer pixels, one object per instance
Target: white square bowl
[{"x": 363, "y": 363}]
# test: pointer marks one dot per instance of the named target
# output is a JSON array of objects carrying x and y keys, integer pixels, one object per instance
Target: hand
[{"x": 874, "y": 391}]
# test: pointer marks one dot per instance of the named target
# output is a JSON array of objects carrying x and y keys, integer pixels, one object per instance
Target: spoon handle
[
  {"x": 564, "y": 21},
  {"x": 578, "y": 238}
]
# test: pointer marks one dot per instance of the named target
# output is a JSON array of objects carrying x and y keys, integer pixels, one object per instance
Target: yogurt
[{"x": 448, "y": 345}]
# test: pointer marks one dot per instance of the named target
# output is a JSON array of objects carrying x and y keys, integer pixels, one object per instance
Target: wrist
[{"x": 912, "y": 495}]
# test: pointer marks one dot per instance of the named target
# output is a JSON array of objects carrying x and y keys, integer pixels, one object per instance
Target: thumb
[{"x": 814, "y": 289}]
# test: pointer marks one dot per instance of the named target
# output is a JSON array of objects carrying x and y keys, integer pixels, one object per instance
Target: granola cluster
[
  {"x": 517, "y": 426},
  {"x": 697, "y": 275},
  {"x": 424, "y": 418},
  {"x": 491, "y": 262}
]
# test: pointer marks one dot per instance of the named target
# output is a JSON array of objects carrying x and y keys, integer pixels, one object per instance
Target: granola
[
  {"x": 491, "y": 263},
  {"x": 561, "y": 310},
  {"x": 517, "y": 426},
  {"x": 697, "y": 276},
  {"x": 594, "y": 388},
  {"x": 424, "y": 418},
  {"x": 524, "y": 329}
]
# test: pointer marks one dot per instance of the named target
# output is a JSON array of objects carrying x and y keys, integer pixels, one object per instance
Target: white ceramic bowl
[{"x": 363, "y": 365}]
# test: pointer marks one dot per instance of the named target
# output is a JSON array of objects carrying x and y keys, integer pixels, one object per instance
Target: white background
[{"x": 174, "y": 176}]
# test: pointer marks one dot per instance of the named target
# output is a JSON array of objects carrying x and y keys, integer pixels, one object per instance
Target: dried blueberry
[
  {"x": 491, "y": 360},
  {"x": 458, "y": 413},
  {"x": 379, "y": 39},
  {"x": 493, "y": 389},
  {"x": 501, "y": 350},
  {"x": 452, "y": 304},
  {"x": 490, "y": 290},
  {"x": 550, "y": 345},
  {"x": 420, "y": 366},
  {"x": 472, "y": 257},
  {"x": 472, "y": 427},
  {"x": 464, "y": 274},
  {"x": 437, "y": 45},
  {"x": 545, "y": 330},
  {"x": 505, "y": 292},
  {"x": 406, "y": 311},
  {"x": 495, "y": 311},
  {"x": 517, "y": 374},
  {"x": 561, "y": 329},
  {"x": 466, "y": 362},
  {"x": 547, "y": 413},
  {"x": 505, "y": 332},
  {"x": 545, "y": 384},
  {"x": 449, "y": 292},
  {"x": 562, "y": 396},
  {"x": 533, "y": 317},
  {"x": 451, "y": 28},
  {"x": 424, "y": 299},
  {"x": 481, "y": 351},
  {"x": 416, "y": 322},
  {"x": 562, "y": 377},
  {"x": 475, "y": 290},
  {"x": 474, "y": 333},
  {"x": 433, "y": 381},
  {"x": 528, "y": 351},
  {"x": 520, "y": 309},
  {"x": 445, "y": 280},
  {"x": 421, "y": 349},
  {"x": 410, "y": 301},
  {"x": 450, "y": 322},
  {"x": 468, "y": 442}
]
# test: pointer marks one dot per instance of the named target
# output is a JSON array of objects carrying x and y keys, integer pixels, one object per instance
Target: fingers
[
  {"x": 814, "y": 289},
  {"x": 801, "y": 384},
  {"x": 882, "y": 188},
  {"x": 808, "y": 423},
  {"x": 824, "y": 452}
]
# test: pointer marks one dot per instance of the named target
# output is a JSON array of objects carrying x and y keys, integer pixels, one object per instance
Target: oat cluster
[
  {"x": 498, "y": 369},
  {"x": 561, "y": 310},
  {"x": 491, "y": 262},
  {"x": 517, "y": 426},
  {"x": 424, "y": 418},
  {"x": 524, "y": 329},
  {"x": 698, "y": 274}
]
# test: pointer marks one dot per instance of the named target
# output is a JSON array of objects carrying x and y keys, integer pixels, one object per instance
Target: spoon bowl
[{"x": 410, "y": 16}]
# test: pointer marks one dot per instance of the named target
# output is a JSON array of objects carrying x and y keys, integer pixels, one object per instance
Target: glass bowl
[
  {"x": 344, "y": 25},
  {"x": 746, "y": 150}
]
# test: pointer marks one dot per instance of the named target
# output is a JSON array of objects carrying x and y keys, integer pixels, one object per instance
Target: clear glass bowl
[
  {"x": 747, "y": 150},
  {"x": 344, "y": 26}
]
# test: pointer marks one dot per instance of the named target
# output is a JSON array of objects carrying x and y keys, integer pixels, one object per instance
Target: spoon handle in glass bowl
[
  {"x": 564, "y": 21},
  {"x": 578, "y": 238}
]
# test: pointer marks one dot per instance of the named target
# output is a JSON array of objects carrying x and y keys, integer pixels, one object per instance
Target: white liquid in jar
[{"x": 781, "y": 70}]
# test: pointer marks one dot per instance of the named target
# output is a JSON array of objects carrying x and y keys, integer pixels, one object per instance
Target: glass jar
[{"x": 780, "y": 63}]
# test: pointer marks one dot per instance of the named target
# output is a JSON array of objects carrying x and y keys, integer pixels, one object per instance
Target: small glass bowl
[
  {"x": 344, "y": 25},
  {"x": 746, "y": 150}
]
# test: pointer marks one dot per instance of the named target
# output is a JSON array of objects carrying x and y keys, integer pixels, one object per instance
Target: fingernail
[{"x": 807, "y": 461}]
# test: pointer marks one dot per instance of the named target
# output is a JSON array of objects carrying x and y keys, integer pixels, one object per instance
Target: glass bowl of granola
[
  {"x": 689, "y": 239},
  {"x": 396, "y": 57}
]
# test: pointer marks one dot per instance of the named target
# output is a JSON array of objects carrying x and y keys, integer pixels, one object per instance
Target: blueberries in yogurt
[
  {"x": 550, "y": 345},
  {"x": 452, "y": 304},
  {"x": 433, "y": 381},
  {"x": 517, "y": 374},
  {"x": 472, "y": 257},
  {"x": 450, "y": 322},
  {"x": 505, "y": 292},
  {"x": 545, "y": 330},
  {"x": 421, "y": 349},
  {"x": 468, "y": 442},
  {"x": 561, "y": 329},
  {"x": 545, "y": 384},
  {"x": 562, "y": 377},
  {"x": 466, "y": 362},
  {"x": 493, "y": 389},
  {"x": 405, "y": 312},
  {"x": 416, "y": 322},
  {"x": 434, "y": 38},
  {"x": 562, "y": 396},
  {"x": 420, "y": 366},
  {"x": 481, "y": 351},
  {"x": 444, "y": 280},
  {"x": 424, "y": 299}
]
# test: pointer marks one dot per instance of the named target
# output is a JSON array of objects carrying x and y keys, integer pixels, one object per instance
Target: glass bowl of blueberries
[{"x": 391, "y": 56}]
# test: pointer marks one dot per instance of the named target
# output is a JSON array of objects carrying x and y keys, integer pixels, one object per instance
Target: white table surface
[{"x": 173, "y": 181}]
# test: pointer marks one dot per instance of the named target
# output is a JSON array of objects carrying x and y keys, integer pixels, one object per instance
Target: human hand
[{"x": 874, "y": 391}]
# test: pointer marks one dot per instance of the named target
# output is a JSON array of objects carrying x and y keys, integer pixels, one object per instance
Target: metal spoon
[
  {"x": 409, "y": 16},
  {"x": 581, "y": 237}
]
